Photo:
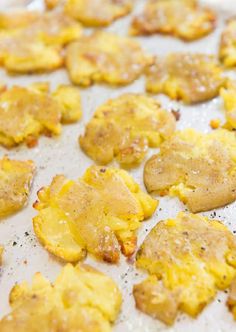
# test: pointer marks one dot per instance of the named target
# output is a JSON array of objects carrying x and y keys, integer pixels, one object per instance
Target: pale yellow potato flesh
[
  {"x": 227, "y": 49},
  {"x": 192, "y": 78},
  {"x": 200, "y": 169},
  {"x": 15, "y": 182},
  {"x": 98, "y": 13},
  {"x": 27, "y": 112},
  {"x": 81, "y": 299},
  {"x": 228, "y": 94},
  {"x": 183, "y": 19},
  {"x": 123, "y": 128},
  {"x": 33, "y": 42},
  {"x": 105, "y": 57},
  {"x": 188, "y": 258},
  {"x": 99, "y": 213}
]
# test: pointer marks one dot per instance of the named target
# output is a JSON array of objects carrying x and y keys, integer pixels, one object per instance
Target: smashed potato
[
  {"x": 1, "y": 253},
  {"x": 98, "y": 213},
  {"x": 188, "y": 259},
  {"x": 229, "y": 98},
  {"x": 184, "y": 19},
  {"x": 124, "y": 128},
  {"x": 25, "y": 113},
  {"x": 191, "y": 78},
  {"x": 227, "y": 51},
  {"x": 231, "y": 302},
  {"x": 198, "y": 168},
  {"x": 33, "y": 42},
  {"x": 15, "y": 182},
  {"x": 105, "y": 57},
  {"x": 98, "y": 12},
  {"x": 81, "y": 299}
]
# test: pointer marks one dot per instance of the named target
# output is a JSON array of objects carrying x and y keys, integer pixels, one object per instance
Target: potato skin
[
  {"x": 197, "y": 168},
  {"x": 81, "y": 299},
  {"x": 99, "y": 213},
  {"x": 191, "y": 78},
  {"x": 184, "y": 19},
  {"x": 124, "y": 127},
  {"x": 186, "y": 267}
]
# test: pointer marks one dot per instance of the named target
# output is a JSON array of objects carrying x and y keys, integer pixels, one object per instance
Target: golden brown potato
[
  {"x": 227, "y": 50},
  {"x": 191, "y": 78},
  {"x": 188, "y": 259},
  {"x": 81, "y": 299},
  {"x": 184, "y": 19},
  {"x": 50, "y": 4},
  {"x": 98, "y": 213},
  {"x": 25, "y": 113},
  {"x": 36, "y": 44},
  {"x": 198, "y": 168},
  {"x": 15, "y": 182},
  {"x": 98, "y": 12},
  {"x": 1, "y": 254},
  {"x": 124, "y": 128},
  {"x": 228, "y": 95},
  {"x": 17, "y": 19},
  {"x": 105, "y": 57},
  {"x": 231, "y": 302}
]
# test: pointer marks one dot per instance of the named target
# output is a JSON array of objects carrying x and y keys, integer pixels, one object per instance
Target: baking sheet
[{"x": 63, "y": 156}]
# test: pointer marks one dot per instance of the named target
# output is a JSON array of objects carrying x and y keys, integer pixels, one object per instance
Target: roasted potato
[
  {"x": 15, "y": 182},
  {"x": 184, "y": 19},
  {"x": 33, "y": 42},
  {"x": 26, "y": 112},
  {"x": 98, "y": 213},
  {"x": 124, "y": 128},
  {"x": 231, "y": 302},
  {"x": 228, "y": 95},
  {"x": 81, "y": 299},
  {"x": 188, "y": 259},
  {"x": 51, "y": 4},
  {"x": 1, "y": 254},
  {"x": 198, "y": 168},
  {"x": 105, "y": 57},
  {"x": 191, "y": 78},
  {"x": 98, "y": 13},
  {"x": 227, "y": 50}
]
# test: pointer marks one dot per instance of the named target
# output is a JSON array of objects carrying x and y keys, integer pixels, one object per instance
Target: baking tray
[{"x": 24, "y": 255}]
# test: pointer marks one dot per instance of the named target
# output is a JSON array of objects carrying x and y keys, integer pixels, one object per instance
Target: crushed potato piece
[
  {"x": 231, "y": 302},
  {"x": 198, "y": 168},
  {"x": 81, "y": 299},
  {"x": 189, "y": 77},
  {"x": 98, "y": 12},
  {"x": 184, "y": 19},
  {"x": 124, "y": 128},
  {"x": 105, "y": 57},
  {"x": 229, "y": 98},
  {"x": 25, "y": 113},
  {"x": 1, "y": 254},
  {"x": 15, "y": 182},
  {"x": 17, "y": 19},
  {"x": 98, "y": 213},
  {"x": 35, "y": 45},
  {"x": 227, "y": 50},
  {"x": 188, "y": 259}
]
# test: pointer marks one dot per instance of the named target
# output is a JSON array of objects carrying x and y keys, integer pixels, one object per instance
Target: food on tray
[
  {"x": 1, "y": 253},
  {"x": 27, "y": 112},
  {"x": 98, "y": 12},
  {"x": 231, "y": 302},
  {"x": 15, "y": 182},
  {"x": 123, "y": 128},
  {"x": 98, "y": 213},
  {"x": 188, "y": 259},
  {"x": 189, "y": 77},
  {"x": 229, "y": 98},
  {"x": 198, "y": 168},
  {"x": 35, "y": 44},
  {"x": 184, "y": 19},
  {"x": 227, "y": 51},
  {"x": 105, "y": 57},
  {"x": 17, "y": 19},
  {"x": 81, "y": 299}
]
